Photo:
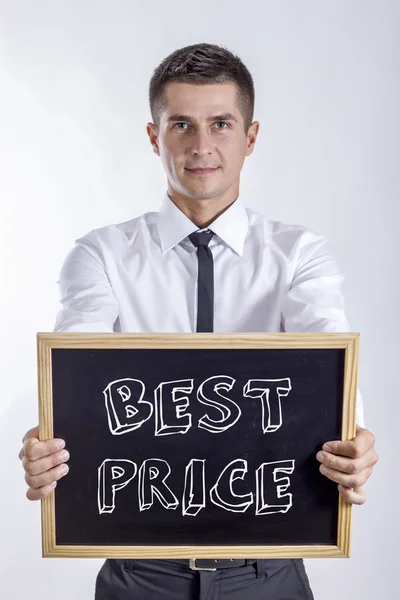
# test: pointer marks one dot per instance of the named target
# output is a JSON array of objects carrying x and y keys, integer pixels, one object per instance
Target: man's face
[{"x": 202, "y": 128}]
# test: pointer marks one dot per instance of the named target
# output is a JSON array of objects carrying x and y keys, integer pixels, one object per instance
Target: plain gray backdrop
[{"x": 75, "y": 155}]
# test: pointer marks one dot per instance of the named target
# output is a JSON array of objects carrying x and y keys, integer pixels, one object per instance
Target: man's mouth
[{"x": 202, "y": 171}]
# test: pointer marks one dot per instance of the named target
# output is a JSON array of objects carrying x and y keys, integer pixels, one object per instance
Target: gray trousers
[{"x": 161, "y": 579}]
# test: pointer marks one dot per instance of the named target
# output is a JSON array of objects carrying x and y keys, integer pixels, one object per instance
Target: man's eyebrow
[{"x": 224, "y": 117}]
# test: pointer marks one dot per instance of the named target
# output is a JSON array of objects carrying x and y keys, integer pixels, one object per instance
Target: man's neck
[{"x": 202, "y": 212}]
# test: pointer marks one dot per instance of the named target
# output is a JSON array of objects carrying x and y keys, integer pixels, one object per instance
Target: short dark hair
[{"x": 202, "y": 64}]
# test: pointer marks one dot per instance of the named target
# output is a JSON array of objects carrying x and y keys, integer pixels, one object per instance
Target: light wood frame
[{"x": 349, "y": 342}]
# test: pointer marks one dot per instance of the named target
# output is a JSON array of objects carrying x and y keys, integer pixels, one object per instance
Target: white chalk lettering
[
  {"x": 113, "y": 475},
  {"x": 271, "y": 498},
  {"x": 179, "y": 421},
  {"x": 270, "y": 391},
  {"x": 194, "y": 492},
  {"x": 230, "y": 412},
  {"x": 233, "y": 502},
  {"x": 152, "y": 476},
  {"x": 124, "y": 416},
  {"x": 270, "y": 478}
]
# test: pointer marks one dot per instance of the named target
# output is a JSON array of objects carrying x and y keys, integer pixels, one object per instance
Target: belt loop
[{"x": 260, "y": 567}]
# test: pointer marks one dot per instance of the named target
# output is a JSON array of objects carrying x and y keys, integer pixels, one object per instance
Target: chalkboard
[{"x": 196, "y": 445}]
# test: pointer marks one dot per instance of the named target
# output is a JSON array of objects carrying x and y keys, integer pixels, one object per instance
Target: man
[{"x": 203, "y": 263}]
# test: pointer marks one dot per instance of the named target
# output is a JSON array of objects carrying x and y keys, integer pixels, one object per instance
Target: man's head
[{"x": 202, "y": 104}]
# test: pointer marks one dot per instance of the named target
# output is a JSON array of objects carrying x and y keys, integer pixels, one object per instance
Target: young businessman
[{"x": 204, "y": 262}]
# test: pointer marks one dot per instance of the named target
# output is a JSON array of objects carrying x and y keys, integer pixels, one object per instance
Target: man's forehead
[{"x": 201, "y": 101}]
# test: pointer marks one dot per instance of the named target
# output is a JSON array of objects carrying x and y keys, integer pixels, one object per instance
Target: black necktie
[{"x": 205, "y": 280}]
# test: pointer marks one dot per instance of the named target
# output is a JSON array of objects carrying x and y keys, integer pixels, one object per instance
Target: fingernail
[
  {"x": 326, "y": 448},
  {"x": 323, "y": 469},
  {"x": 60, "y": 444},
  {"x": 63, "y": 469},
  {"x": 64, "y": 455},
  {"x": 53, "y": 485},
  {"x": 320, "y": 456}
]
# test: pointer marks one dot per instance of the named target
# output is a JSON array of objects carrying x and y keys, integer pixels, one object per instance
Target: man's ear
[
  {"x": 252, "y": 137},
  {"x": 153, "y": 135}
]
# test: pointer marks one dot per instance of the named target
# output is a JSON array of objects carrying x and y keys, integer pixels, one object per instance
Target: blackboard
[{"x": 196, "y": 443}]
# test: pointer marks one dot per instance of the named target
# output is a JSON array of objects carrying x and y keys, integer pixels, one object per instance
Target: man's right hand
[{"x": 43, "y": 462}]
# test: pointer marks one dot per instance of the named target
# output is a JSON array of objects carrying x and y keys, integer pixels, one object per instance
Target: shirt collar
[{"x": 231, "y": 226}]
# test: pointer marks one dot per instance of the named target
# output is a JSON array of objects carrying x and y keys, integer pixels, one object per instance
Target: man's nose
[{"x": 202, "y": 143}]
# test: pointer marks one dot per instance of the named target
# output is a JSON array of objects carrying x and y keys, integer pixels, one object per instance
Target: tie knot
[{"x": 201, "y": 238}]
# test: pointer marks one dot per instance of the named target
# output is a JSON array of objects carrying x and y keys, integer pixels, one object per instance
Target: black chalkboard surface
[{"x": 196, "y": 445}]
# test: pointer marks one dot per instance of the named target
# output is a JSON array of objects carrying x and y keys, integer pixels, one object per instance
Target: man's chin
[{"x": 205, "y": 195}]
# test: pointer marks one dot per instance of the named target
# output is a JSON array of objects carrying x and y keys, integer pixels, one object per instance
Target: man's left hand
[{"x": 350, "y": 464}]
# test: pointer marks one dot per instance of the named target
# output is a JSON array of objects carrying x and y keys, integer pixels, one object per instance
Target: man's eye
[{"x": 181, "y": 123}]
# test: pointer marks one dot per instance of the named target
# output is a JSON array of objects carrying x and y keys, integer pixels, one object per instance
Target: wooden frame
[{"x": 349, "y": 342}]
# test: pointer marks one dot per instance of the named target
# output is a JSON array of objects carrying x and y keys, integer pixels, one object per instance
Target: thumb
[{"x": 32, "y": 433}]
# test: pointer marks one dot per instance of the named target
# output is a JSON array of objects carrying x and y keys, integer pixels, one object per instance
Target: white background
[{"x": 75, "y": 155}]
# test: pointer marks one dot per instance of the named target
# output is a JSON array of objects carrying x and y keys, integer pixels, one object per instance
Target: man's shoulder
[
  {"x": 115, "y": 232},
  {"x": 280, "y": 231}
]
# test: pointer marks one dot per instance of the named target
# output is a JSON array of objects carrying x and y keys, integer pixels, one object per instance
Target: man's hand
[
  {"x": 41, "y": 462},
  {"x": 350, "y": 464}
]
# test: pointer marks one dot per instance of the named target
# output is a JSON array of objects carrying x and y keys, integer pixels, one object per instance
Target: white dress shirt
[{"x": 141, "y": 276}]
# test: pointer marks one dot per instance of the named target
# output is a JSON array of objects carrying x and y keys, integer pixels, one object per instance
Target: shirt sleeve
[
  {"x": 314, "y": 301},
  {"x": 87, "y": 299}
]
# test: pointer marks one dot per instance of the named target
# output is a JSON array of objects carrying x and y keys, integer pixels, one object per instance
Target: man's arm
[
  {"x": 88, "y": 305},
  {"x": 87, "y": 299},
  {"x": 315, "y": 303}
]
